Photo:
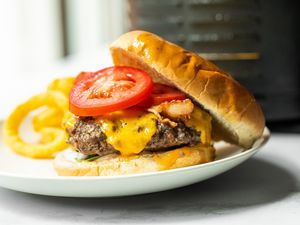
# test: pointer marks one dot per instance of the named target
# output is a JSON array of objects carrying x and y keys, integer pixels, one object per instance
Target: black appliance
[{"x": 257, "y": 41}]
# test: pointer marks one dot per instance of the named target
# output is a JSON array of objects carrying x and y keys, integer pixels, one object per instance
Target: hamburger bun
[
  {"x": 65, "y": 162},
  {"x": 237, "y": 117}
]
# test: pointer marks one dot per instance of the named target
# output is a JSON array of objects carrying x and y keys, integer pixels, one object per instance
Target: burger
[{"x": 159, "y": 107}]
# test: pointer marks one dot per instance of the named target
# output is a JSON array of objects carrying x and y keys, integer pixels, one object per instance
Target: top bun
[{"x": 237, "y": 117}]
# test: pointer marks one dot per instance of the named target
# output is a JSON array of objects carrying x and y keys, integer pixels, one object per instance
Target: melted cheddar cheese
[
  {"x": 167, "y": 159},
  {"x": 128, "y": 131},
  {"x": 201, "y": 121},
  {"x": 69, "y": 121},
  {"x": 199, "y": 153}
]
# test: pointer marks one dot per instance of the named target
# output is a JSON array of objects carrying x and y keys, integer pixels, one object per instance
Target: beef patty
[{"x": 86, "y": 137}]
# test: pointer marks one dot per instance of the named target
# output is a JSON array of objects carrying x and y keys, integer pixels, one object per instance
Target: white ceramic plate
[{"x": 38, "y": 177}]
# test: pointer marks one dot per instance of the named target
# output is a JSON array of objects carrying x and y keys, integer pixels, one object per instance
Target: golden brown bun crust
[
  {"x": 237, "y": 116},
  {"x": 113, "y": 164}
]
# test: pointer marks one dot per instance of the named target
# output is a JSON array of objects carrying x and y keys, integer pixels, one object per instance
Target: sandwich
[{"x": 159, "y": 107}]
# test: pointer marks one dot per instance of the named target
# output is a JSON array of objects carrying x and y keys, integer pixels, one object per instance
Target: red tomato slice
[
  {"x": 162, "y": 93},
  {"x": 109, "y": 90},
  {"x": 81, "y": 76}
]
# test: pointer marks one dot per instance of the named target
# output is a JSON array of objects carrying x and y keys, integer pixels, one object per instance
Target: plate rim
[{"x": 259, "y": 143}]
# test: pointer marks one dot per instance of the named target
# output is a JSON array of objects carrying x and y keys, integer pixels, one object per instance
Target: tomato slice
[
  {"x": 81, "y": 76},
  {"x": 162, "y": 93},
  {"x": 108, "y": 90}
]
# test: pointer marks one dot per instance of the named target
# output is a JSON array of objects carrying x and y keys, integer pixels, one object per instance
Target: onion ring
[{"x": 52, "y": 139}]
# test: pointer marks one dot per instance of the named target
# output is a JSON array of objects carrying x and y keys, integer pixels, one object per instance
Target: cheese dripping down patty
[
  {"x": 129, "y": 131},
  {"x": 201, "y": 121}
]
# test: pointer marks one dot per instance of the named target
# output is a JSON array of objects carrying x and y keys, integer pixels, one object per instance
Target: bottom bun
[{"x": 66, "y": 164}]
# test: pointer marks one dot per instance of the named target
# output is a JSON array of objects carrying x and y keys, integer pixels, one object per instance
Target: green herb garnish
[{"x": 89, "y": 158}]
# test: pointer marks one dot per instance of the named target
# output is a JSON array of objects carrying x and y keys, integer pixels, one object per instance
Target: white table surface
[{"x": 263, "y": 190}]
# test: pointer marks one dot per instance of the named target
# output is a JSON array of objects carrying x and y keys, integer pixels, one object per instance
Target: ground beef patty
[{"x": 87, "y": 137}]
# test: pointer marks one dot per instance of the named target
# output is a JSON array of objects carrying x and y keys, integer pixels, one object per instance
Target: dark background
[{"x": 257, "y": 41}]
